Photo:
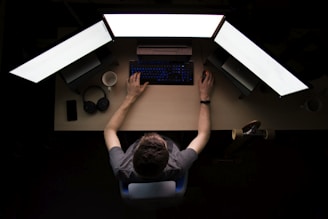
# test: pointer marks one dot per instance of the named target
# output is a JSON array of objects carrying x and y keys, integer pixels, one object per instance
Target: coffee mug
[{"x": 109, "y": 79}]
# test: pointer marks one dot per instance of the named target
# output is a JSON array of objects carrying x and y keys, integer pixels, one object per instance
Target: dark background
[{"x": 48, "y": 174}]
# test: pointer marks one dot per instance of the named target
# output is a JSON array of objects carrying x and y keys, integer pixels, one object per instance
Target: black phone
[{"x": 71, "y": 110}]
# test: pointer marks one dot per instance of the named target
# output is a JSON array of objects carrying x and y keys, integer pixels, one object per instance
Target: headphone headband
[
  {"x": 91, "y": 107},
  {"x": 92, "y": 87}
]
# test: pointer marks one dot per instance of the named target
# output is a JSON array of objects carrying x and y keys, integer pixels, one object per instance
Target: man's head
[{"x": 151, "y": 155}]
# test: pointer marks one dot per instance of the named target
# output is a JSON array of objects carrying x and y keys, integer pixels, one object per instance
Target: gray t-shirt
[{"x": 179, "y": 162}]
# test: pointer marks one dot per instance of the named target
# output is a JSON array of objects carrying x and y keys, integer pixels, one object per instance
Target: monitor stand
[
  {"x": 239, "y": 75},
  {"x": 78, "y": 72}
]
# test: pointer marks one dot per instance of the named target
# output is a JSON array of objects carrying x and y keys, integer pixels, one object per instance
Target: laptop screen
[
  {"x": 258, "y": 61},
  {"x": 64, "y": 53},
  {"x": 163, "y": 25}
]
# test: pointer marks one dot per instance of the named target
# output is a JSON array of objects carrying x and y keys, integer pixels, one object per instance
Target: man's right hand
[{"x": 205, "y": 85}]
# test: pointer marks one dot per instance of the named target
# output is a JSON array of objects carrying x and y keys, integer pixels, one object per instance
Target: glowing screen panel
[
  {"x": 163, "y": 25},
  {"x": 258, "y": 61},
  {"x": 64, "y": 53}
]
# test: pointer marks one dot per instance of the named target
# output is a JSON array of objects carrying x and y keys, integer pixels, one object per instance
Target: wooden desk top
[{"x": 176, "y": 108}]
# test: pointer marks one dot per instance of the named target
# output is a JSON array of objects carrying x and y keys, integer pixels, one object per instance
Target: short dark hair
[{"x": 151, "y": 156}]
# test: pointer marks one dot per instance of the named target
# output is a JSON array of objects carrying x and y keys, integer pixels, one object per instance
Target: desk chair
[{"x": 154, "y": 195}]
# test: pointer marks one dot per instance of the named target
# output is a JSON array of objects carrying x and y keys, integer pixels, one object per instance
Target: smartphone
[{"x": 71, "y": 110}]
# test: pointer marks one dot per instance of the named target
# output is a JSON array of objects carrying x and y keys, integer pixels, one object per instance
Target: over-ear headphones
[{"x": 90, "y": 106}]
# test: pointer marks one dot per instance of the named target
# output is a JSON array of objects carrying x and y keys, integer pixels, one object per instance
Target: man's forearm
[
  {"x": 204, "y": 120},
  {"x": 134, "y": 90},
  {"x": 204, "y": 129},
  {"x": 119, "y": 116}
]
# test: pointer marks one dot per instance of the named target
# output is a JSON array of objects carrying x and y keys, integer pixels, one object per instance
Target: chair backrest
[{"x": 154, "y": 195}]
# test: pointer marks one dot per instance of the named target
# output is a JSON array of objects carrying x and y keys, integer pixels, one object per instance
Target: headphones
[{"x": 91, "y": 107}]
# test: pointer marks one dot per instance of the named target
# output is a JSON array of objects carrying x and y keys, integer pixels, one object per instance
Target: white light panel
[
  {"x": 258, "y": 61},
  {"x": 163, "y": 25},
  {"x": 64, "y": 53}
]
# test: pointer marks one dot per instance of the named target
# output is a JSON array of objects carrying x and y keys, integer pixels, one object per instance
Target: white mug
[{"x": 109, "y": 79}]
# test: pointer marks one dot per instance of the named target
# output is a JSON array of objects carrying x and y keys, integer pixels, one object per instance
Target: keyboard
[{"x": 164, "y": 72}]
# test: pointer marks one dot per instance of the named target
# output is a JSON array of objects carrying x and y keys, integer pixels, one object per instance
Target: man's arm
[
  {"x": 204, "y": 119},
  {"x": 134, "y": 90}
]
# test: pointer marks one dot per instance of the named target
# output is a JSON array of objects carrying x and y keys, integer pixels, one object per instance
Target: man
[{"x": 154, "y": 157}]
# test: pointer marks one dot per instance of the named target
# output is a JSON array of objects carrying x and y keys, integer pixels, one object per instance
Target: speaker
[{"x": 92, "y": 107}]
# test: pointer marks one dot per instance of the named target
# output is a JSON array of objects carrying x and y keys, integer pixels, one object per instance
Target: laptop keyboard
[{"x": 164, "y": 72}]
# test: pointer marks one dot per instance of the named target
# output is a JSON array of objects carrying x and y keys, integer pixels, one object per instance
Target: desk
[{"x": 176, "y": 108}]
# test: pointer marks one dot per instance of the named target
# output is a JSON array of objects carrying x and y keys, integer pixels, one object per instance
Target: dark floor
[
  {"x": 49, "y": 174},
  {"x": 68, "y": 176}
]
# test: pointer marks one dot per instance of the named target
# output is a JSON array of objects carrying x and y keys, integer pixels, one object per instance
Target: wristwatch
[{"x": 205, "y": 102}]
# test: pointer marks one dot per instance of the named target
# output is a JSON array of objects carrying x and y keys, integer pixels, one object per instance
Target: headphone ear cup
[
  {"x": 103, "y": 104},
  {"x": 89, "y": 107}
]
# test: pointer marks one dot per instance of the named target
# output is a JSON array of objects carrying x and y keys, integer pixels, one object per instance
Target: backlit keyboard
[{"x": 164, "y": 72}]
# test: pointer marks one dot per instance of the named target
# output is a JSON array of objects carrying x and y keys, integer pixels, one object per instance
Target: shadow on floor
[{"x": 70, "y": 177}]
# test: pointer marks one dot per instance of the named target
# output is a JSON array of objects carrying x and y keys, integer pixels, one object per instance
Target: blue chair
[{"x": 154, "y": 195}]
